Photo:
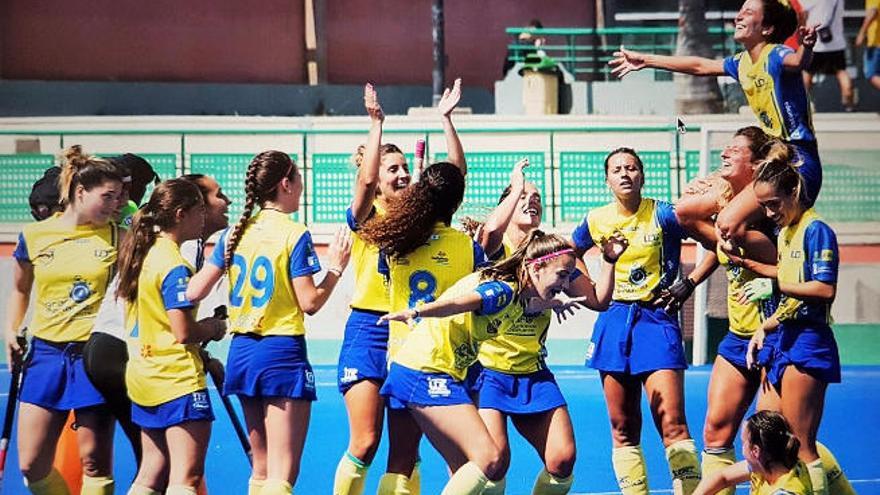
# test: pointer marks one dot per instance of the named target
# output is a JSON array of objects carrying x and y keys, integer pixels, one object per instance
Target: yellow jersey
[
  {"x": 807, "y": 251},
  {"x": 744, "y": 319},
  {"x": 422, "y": 275},
  {"x": 521, "y": 349},
  {"x": 72, "y": 269},
  {"x": 776, "y": 96},
  {"x": 795, "y": 482},
  {"x": 272, "y": 252},
  {"x": 451, "y": 344},
  {"x": 872, "y": 36},
  {"x": 370, "y": 292},
  {"x": 651, "y": 261},
  {"x": 159, "y": 368}
]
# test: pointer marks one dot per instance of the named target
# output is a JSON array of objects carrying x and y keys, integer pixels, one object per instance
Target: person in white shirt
[{"x": 829, "y": 54}]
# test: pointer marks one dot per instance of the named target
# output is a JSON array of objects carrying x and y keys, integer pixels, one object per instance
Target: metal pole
[{"x": 439, "y": 72}]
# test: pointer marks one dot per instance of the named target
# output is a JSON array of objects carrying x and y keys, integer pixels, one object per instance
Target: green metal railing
[
  {"x": 586, "y": 51},
  {"x": 570, "y": 179}
]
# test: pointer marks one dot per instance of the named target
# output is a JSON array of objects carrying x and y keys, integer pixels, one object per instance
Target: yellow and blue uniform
[
  {"x": 781, "y": 104},
  {"x": 364, "y": 351},
  {"x": 422, "y": 275},
  {"x": 807, "y": 251},
  {"x": 268, "y": 356},
  {"x": 633, "y": 336},
  {"x": 165, "y": 379},
  {"x": 514, "y": 378},
  {"x": 744, "y": 319},
  {"x": 430, "y": 367},
  {"x": 72, "y": 268},
  {"x": 794, "y": 482}
]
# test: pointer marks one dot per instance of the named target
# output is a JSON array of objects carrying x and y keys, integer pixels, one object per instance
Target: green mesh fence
[
  {"x": 331, "y": 186},
  {"x": 582, "y": 180},
  {"x": 488, "y": 175},
  {"x": 850, "y": 186},
  {"x": 692, "y": 163},
  {"x": 19, "y": 174},
  {"x": 229, "y": 169}
]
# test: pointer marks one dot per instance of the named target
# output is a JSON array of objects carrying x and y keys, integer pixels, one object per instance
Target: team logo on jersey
[
  {"x": 438, "y": 387},
  {"x": 349, "y": 375},
  {"x": 80, "y": 291},
  {"x": 796, "y": 255},
  {"x": 765, "y": 119},
  {"x": 492, "y": 326},
  {"x": 824, "y": 255},
  {"x": 638, "y": 276},
  {"x": 651, "y": 239},
  {"x": 102, "y": 254},
  {"x": 441, "y": 258},
  {"x": 466, "y": 354}
]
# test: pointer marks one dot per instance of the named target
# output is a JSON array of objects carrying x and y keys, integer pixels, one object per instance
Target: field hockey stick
[
  {"x": 220, "y": 312},
  {"x": 12, "y": 399}
]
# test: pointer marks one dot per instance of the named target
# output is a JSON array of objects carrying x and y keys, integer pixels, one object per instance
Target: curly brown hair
[{"x": 410, "y": 219}]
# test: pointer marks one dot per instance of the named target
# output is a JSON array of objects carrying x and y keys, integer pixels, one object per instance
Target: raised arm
[
  {"x": 626, "y": 61},
  {"x": 492, "y": 233},
  {"x": 368, "y": 172},
  {"x": 448, "y": 102},
  {"x": 799, "y": 60},
  {"x": 311, "y": 298}
]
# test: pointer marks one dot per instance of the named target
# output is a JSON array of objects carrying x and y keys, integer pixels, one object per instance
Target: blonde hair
[{"x": 779, "y": 169}]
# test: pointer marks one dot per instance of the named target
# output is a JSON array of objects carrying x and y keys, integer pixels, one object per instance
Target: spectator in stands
[
  {"x": 829, "y": 54},
  {"x": 869, "y": 37},
  {"x": 525, "y": 38}
]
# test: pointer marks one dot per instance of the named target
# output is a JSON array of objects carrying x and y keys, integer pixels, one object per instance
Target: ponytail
[
  {"x": 780, "y": 170},
  {"x": 535, "y": 246},
  {"x": 80, "y": 169},
  {"x": 157, "y": 215},
  {"x": 264, "y": 174},
  {"x": 771, "y": 432}
]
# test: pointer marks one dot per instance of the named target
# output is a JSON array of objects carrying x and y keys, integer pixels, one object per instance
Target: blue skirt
[
  {"x": 364, "y": 351},
  {"x": 407, "y": 387},
  {"x": 635, "y": 338},
  {"x": 55, "y": 377},
  {"x": 270, "y": 366},
  {"x": 190, "y": 407},
  {"x": 810, "y": 348},
  {"x": 529, "y": 393}
]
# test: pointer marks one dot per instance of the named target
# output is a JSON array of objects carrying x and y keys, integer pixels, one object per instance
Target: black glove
[{"x": 674, "y": 297}]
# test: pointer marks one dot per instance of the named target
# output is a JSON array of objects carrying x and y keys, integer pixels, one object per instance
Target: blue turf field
[{"x": 851, "y": 427}]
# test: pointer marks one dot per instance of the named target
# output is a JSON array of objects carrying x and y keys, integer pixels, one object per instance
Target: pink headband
[{"x": 552, "y": 255}]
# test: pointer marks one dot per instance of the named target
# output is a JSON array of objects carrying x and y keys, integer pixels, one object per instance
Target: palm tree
[{"x": 695, "y": 95}]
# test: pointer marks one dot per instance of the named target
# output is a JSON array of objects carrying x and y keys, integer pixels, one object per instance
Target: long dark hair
[
  {"x": 513, "y": 268},
  {"x": 781, "y": 17},
  {"x": 264, "y": 173},
  {"x": 410, "y": 219},
  {"x": 771, "y": 432},
  {"x": 158, "y": 214}
]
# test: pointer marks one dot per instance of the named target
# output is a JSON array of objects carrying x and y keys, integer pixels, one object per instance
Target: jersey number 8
[{"x": 261, "y": 279}]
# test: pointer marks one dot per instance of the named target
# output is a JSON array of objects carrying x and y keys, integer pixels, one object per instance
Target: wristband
[
  {"x": 416, "y": 313},
  {"x": 335, "y": 271}
]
